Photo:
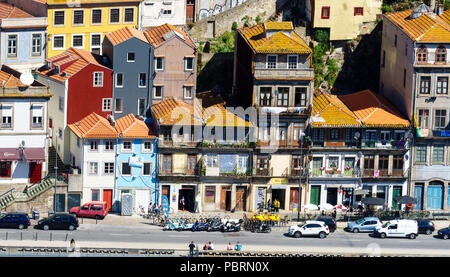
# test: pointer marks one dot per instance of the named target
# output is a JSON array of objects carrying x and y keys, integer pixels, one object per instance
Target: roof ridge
[{"x": 129, "y": 126}]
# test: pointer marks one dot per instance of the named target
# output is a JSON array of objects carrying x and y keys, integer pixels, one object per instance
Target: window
[
  {"x": 141, "y": 107},
  {"x": 148, "y": 146},
  {"x": 114, "y": 16},
  {"x": 118, "y": 105},
  {"x": 264, "y": 133},
  {"x": 333, "y": 162},
  {"x": 395, "y": 40},
  {"x": 96, "y": 17},
  {"x": 58, "y": 42},
  {"x": 98, "y": 79},
  {"x": 108, "y": 168},
  {"x": 317, "y": 162},
  {"x": 334, "y": 134},
  {"x": 36, "y": 116},
  {"x": 265, "y": 96},
  {"x": 167, "y": 163},
  {"x": 131, "y": 57},
  {"x": 159, "y": 63},
  {"x": 292, "y": 61},
  {"x": 59, "y": 18},
  {"x": 142, "y": 81},
  {"x": 369, "y": 162},
  {"x": 93, "y": 168},
  {"x": 147, "y": 169},
  {"x": 211, "y": 161},
  {"x": 188, "y": 92},
  {"x": 385, "y": 136},
  {"x": 61, "y": 103},
  {"x": 383, "y": 162},
  {"x": 300, "y": 97},
  {"x": 271, "y": 61},
  {"x": 95, "y": 193},
  {"x": 210, "y": 194},
  {"x": 262, "y": 162},
  {"x": 109, "y": 145},
  {"x": 96, "y": 44},
  {"x": 166, "y": 8},
  {"x": 398, "y": 162},
  {"x": 78, "y": 17},
  {"x": 421, "y": 153},
  {"x": 5, "y": 169},
  {"x": 296, "y": 161},
  {"x": 188, "y": 64},
  {"x": 93, "y": 145},
  {"x": 298, "y": 130},
  {"x": 242, "y": 162},
  {"x": 192, "y": 161},
  {"x": 127, "y": 146},
  {"x": 325, "y": 12},
  {"x": 36, "y": 44},
  {"x": 425, "y": 82},
  {"x": 318, "y": 135},
  {"x": 77, "y": 41},
  {"x": 438, "y": 153},
  {"x": 281, "y": 134},
  {"x": 158, "y": 92},
  {"x": 422, "y": 54},
  {"x": 12, "y": 45},
  {"x": 439, "y": 119},
  {"x": 128, "y": 15},
  {"x": 441, "y": 54},
  {"x": 283, "y": 97},
  {"x": 119, "y": 80},
  {"x": 6, "y": 112},
  {"x": 358, "y": 11},
  {"x": 126, "y": 169},
  {"x": 442, "y": 85}
]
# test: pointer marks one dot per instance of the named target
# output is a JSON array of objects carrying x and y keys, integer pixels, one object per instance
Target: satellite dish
[
  {"x": 357, "y": 135},
  {"x": 27, "y": 79}
]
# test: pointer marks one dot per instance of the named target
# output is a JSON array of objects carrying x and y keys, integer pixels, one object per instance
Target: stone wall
[
  {"x": 224, "y": 20},
  {"x": 42, "y": 203}
]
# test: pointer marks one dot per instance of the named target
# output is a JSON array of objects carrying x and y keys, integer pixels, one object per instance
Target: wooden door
[
  {"x": 293, "y": 198},
  {"x": 35, "y": 172},
  {"x": 223, "y": 197},
  {"x": 107, "y": 197},
  {"x": 241, "y": 198}
]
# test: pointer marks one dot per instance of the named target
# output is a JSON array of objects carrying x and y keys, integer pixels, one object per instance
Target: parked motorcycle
[
  {"x": 200, "y": 226},
  {"x": 261, "y": 227},
  {"x": 232, "y": 226},
  {"x": 173, "y": 225},
  {"x": 215, "y": 226}
]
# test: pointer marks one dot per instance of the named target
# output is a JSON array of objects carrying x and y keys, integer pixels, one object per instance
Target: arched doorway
[{"x": 435, "y": 195}]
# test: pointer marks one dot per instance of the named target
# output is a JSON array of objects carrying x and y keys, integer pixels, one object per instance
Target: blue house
[
  {"x": 23, "y": 39},
  {"x": 136, "y": 162},
  {"x": 131, "y": 58}
]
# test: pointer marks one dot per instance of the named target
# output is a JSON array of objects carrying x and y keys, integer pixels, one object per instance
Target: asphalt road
[{"x": 148, "y": 236}]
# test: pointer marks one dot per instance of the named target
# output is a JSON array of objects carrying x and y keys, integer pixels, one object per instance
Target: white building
[
  {"x": 23, "y": 120},
  {"x": 158, "y": 12},
  {"x": 92, "y": 152}
]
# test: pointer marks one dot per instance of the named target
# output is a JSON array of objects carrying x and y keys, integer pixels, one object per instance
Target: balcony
[
  {"x": 336, "y": 173},
  {"x": 183, "y": 172},
  {"x": 381, "y": 173},
  {"x": 162, "y": 143},
  {"x": 384, "y": 144},
  {"x": 300, "y": 73},
  {"x": 263, "y": 172}
]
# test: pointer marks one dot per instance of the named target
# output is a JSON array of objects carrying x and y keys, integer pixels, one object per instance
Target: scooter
[
  {"x": 261, "y": 227},
  {"x": 215, "y": 226},
  {"x": 173, "y": 225},
  {"x": 232, "y": 226},
  {"x": 200, "y": 226},
  {"x": 186, "y": 225}
]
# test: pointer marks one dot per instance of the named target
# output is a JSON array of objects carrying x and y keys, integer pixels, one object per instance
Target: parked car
[
  {"x": 425, "y": 226},
  {"x": 398, "y": 228},
  {"x": 329, "y": 221},
  {"x": 58, "y": 221},
  {"x": 444, "y": 233},
  {"x": 366, "y": 224},
  {"x": 94, "y": 209},
  {"x": 310, "y": 228},
  {"x": 14, "y": 220}
]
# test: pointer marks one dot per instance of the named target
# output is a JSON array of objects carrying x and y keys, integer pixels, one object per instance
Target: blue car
[
  {"x": 14, "y": 220},
  {"x": 366, "y": 224},
  {"x": 444, "y": 233}
]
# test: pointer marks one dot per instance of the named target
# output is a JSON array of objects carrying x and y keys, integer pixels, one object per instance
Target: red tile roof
[
  {"x": 9, "y": 11},
  {"x": 155, "y": 35},
  {"x": 124, "y": 34},
  {"x": 94, "y": 126},
  {"x": 131, "y": 127}
]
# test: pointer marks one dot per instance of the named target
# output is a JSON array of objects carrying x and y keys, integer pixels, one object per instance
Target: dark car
[
  {"x": 329, "y": 221},
  {"x": 425, "y": 226},
  {"x": 444, "y": 233},
  {"x": 14, "y": 220},
  {"x": 58, "y": 221}
]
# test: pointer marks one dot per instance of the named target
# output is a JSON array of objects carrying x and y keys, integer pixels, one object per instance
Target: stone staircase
[
  {"x": 51, "y": 162},
  {"x": 12, "y": 195}
]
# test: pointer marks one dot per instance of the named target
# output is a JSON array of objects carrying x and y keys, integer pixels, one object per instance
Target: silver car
[{"x": 366, "y": 224}]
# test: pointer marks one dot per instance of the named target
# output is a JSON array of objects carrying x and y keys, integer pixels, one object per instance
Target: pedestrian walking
[
  {"x": 191, "y": 249},
  {"x": 238, "y": 246},
  {"x": 229, "y": 247}
]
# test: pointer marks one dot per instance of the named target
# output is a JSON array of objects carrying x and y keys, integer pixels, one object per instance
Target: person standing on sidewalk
[{"x": 191, "y": 249}]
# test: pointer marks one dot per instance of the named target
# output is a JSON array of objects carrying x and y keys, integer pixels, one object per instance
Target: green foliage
[
  {"x": 322, "y": 36},
  {"x": 318, "y": 63},
  {"x": 234, "y": 26},
  {"x": 386, "y": 8},
  {"x": 224, "y": 43},
  {"x": 332, "y": 72},
  {"x": 446, "y": 4},
  {"x": 245, "y": 20},
  {"x": 258, "y": 19}
]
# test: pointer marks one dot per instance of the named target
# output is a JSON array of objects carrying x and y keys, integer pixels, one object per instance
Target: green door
[
  {"x": 315, "y": 195},
  {"x": 397, "y": 191}
]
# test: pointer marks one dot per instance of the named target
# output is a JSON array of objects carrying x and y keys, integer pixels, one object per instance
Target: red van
[{"x": 94, "y": 209}]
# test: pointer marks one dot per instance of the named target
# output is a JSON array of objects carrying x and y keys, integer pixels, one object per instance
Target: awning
[
  {"x": 34, "y": 154},
  {"x": 9, "y": 154},
  {"x": 361, "y": 192}
]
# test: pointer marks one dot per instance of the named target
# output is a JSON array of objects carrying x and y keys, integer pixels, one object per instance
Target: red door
[
  {"x": 107, "y": 197},
  {"x": 35, "y": 172}
]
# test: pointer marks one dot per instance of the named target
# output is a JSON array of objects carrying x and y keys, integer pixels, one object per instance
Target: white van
[{"x": 398, "y": 228}]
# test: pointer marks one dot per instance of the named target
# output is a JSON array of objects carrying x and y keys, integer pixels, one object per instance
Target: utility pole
[{"x": 56, "y": 171}]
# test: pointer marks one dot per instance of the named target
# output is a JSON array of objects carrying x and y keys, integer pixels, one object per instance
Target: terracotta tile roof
[
  {"x": 428, "y": 27},
  {"x": 155, "y": 35},
  {"x": 76, "y": 59},
  {"x": 131, "y": 127},
  {"x": 124, "y": 34},
  {"x": 279, "y": 43},
  {"x": 218, "y": 115},
  {"x": 173, "y": 111},
  {"x": 275, "y": 25},
  {"x": 329, "y": 111},
  {"x": 374, "y": 110},
  {"x": 94, "y": 126},
  {"x": 9, "y": 11}
]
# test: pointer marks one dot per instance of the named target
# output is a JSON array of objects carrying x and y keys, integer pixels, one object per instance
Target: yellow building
[
  {"x": 83, "y": 23},
  {"x": 345, "y": 19}
]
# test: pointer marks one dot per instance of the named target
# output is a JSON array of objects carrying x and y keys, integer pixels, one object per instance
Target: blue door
[
  {"x": 435, "y": 197},
  {"x": 418, "y": 194}
]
